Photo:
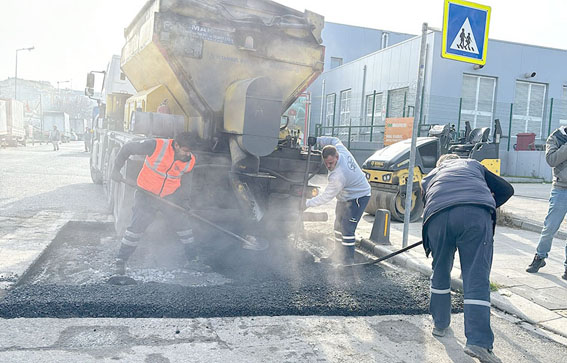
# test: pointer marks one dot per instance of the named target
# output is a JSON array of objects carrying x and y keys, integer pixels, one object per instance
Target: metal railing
[
  {"x": 347, "y": 130},
  {"x": 455, "y": 111}
]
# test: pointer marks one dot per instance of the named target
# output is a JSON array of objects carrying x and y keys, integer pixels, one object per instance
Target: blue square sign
[{"x": 465, "y": 31}]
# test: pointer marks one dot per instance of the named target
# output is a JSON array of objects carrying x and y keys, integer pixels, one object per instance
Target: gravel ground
[{"x": 69, "y": 281}]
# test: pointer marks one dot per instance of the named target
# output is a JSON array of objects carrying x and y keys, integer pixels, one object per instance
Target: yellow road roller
[{"x": 387, "y": 169}]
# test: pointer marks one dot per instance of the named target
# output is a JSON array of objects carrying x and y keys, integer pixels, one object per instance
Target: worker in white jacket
[{"x": 348, "y": 184}]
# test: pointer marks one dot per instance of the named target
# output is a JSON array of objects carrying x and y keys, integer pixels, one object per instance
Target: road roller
[{"x": 387, "y": 169}]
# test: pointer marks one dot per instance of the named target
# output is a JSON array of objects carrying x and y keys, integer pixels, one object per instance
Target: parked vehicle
[
  {"x": 12, "y": 129},
  {"x": 59, "y": 119}
]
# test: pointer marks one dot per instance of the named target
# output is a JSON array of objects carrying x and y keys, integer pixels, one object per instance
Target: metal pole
[
  {"x": 423, "y": 85},
  {"x": 510, "y": 126},
  {"x": 362, "y": 101},
  {"x": 373, "y": 110},
  {"x": 349, "y": 132},
  {"x": 550, "y": 116},
  {"x": 409, "y": 182},
  {"x": 306, "y": 132},
  {"x": 323, "y": 101},
  {"x": 334, "y": 113},
  {"x": 16, "y": 72},
  {"x": 16, "y": 78},
  {"x": 305, "y": 181},
  {"x": 459, "y": 117}
]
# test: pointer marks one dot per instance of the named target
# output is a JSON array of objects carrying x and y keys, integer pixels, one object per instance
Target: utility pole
[
  {"x": 16, "y": 72},
  {"x": 416, "y": 116}
]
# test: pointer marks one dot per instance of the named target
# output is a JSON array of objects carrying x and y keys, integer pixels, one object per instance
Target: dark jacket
[{"x": 462, "y": 182}]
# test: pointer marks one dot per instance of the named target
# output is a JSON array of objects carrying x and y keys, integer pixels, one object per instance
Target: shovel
[
  {"x": 251, "y": 242},
  {"x": 372, "y": 262}
]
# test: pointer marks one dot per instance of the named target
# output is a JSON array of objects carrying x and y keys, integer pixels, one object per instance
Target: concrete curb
[
  {"x": 534, "y": 227},
  {"x": 515, "y": 222},
  {"x": 496, "y": 299}
]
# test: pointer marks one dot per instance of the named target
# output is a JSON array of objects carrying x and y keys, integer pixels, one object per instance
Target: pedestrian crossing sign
[{"x": 465, "y": 31}]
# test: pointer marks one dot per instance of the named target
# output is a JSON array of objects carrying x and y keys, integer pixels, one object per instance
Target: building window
[
  {"x": 478, "y": 100},
  {"x": 564, "y": 94},
  {"x": 373, "y": 108},
  {"x": 330, "y": 110},
  {"x": 529, "y": 103},
  {"x": 344, "y": 107},
  {"x": 122, "y": 76},
  {"x": 376, "y": 110},
  {"x": 336, "y": 62},
  {"x": 397, "y": 101},
  {"x": 385, "y": 39}
]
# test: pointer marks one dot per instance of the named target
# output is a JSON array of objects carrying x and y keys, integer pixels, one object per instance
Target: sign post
[
  {"x": 409, "y": 181},
  {"x": 465, "y": 38},
  {"x": 465, "y": 31}
]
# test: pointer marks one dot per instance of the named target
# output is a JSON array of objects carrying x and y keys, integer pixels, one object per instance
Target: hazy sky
[{"x": 72, "y": 37}]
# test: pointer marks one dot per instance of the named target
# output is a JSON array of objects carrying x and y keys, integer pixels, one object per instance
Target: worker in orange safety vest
[{"x": 165, "y": 164}]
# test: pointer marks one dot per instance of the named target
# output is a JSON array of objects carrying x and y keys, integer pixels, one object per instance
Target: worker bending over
[
  {"x": 165, "y": 164},
  {"x": 461, "y": 197},
  {"x": 348, "y": 183}
]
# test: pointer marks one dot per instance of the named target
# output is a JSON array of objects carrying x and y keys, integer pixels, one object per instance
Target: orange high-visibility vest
[{"x": 161, "y": 173}]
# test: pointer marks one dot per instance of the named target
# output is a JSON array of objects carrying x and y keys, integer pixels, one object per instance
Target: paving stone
[
  {"x": 558, "y": 325},
  {"x": 527, "y": 309},
  {"x": 550, "y": 298}
]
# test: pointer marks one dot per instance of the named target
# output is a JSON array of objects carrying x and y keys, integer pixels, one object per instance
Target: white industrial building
[{"x": 524, "y": 86}]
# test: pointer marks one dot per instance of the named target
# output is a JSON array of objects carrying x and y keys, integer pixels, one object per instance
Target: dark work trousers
[
  {"x": 347, "y": 216},
  {"x": 469, "y": 229},
  {"x": 144, "y": 212}
]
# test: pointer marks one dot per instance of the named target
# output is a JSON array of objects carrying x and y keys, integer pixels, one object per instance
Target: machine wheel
[
  {"x": 120, "y": 208},
  {"x": 395, "y": 203},
  {"x": 399, "y": 209},
  {"x": 110, "y": 185},
  {"x": 96, "y": 175}
]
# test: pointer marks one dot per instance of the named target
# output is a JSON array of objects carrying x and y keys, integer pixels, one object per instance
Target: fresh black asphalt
[{"x": 278, "y": 281}]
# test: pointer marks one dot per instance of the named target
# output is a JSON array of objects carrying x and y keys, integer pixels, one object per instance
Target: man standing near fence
[{"x": 556, "y": 157}]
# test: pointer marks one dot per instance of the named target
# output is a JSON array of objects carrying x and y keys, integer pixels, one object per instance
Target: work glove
[
  {"x": 561, "y": 139},
  {"x": 116, "y": 175}
]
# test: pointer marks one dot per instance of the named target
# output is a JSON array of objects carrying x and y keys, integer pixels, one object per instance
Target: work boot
[
  {"x": 119, "y": 267},
  {"x": 439, "y": 332},
  {"x": 484, "y": 355},
  {"x": 536, "y": 264}
]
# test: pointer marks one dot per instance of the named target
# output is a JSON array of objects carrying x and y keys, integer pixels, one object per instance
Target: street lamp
[
  {"x": 59, "y": 91},
  {"x": 16, "y": 76},
  {"x": 60, "y": 82}
]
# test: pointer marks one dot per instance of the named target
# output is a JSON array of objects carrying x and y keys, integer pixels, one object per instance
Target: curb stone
[{"x": 509, "y": 220}]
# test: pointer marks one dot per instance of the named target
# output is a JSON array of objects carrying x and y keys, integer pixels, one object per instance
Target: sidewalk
[{"x": 540, "y": 299}]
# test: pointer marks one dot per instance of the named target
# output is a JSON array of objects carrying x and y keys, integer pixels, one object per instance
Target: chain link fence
[{"x": 357, "y": 120}]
